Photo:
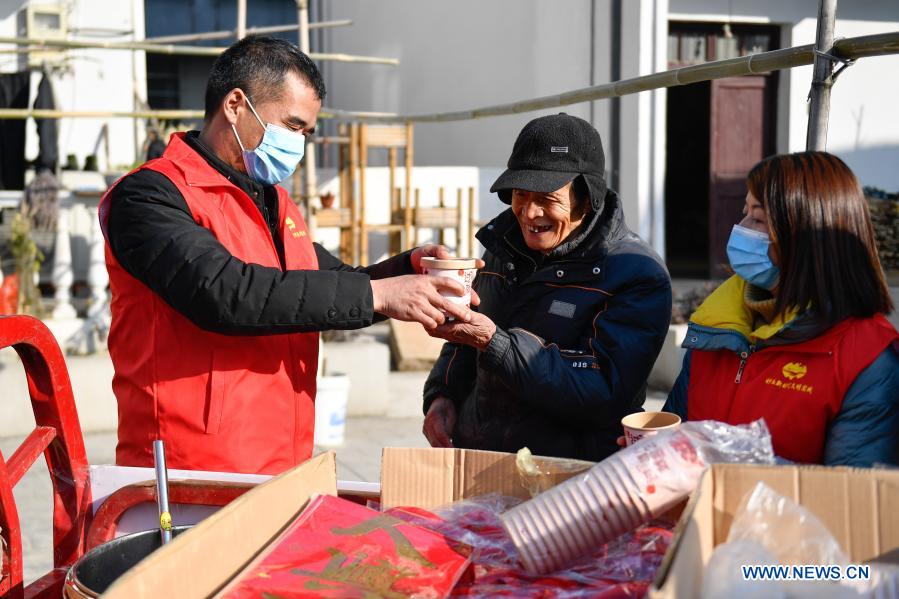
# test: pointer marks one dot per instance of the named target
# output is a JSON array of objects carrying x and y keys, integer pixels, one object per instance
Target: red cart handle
[{"x": 57, "y": 435}]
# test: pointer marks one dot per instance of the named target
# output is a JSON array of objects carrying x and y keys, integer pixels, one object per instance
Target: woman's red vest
[
  {"x": 798, "y": 388},
  {"x": 224, "y": 403}
]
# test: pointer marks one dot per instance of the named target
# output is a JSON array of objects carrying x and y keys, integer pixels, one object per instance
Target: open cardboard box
[
  {"x": 203, "y": 560},
  {"x": 859, "y": 507}
]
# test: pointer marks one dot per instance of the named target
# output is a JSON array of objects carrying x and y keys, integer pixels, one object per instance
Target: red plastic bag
[{"x": 337, "y": 548}]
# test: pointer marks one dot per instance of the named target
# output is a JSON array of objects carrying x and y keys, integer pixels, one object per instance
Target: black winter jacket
[
  {"x": 577, "y": 335},
  {"x": 153, "y": 235}
]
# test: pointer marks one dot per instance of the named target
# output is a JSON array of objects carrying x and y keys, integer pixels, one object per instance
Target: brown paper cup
[
  {"x": 627, "y": 486},
  {"x": 644, "y": 424}
]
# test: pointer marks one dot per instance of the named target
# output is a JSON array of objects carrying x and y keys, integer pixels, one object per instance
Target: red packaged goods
[{"x": 337, "y": 548}]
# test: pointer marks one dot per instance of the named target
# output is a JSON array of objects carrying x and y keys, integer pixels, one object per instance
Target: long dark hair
[{"x": 822, "y": 235}]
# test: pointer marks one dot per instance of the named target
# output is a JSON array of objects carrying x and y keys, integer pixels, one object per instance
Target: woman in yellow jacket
[{"x": 798, "y": 336}]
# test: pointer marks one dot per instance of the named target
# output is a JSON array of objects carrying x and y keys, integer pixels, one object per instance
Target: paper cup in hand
[
  {"x": 643, "y": 424},
  {"x": 458, "y": 269}
]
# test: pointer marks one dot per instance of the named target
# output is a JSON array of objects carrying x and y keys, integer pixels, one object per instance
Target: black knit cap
[{"x": 551, "y": 151}]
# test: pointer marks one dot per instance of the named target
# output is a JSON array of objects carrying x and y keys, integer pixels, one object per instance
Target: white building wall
[
  {"x": 642, "y": 159},
  {"x": 93, "y": 79}
]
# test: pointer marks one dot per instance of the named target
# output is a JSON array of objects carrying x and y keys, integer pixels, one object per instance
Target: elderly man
[
  {"x": 217, "y": 290},
  {"x": 574, "y": 309}
]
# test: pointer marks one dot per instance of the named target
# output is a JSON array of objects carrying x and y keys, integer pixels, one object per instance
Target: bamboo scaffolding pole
[
  {"x": 164, "y": 115},
  {"x": 173, "y": 49},
  {"x": 352, "y": 189},
  {"x": 311, "y": 189},
  {"x": 407, "y": 213},
  {"x": 459, "y": 222},
  {"x": 363, "y": 224},
  {"x": 241, "y": 29},
  {"x": 441, "y": 203},
  {"x": 225, "y": 34},
  {"x": 848, "y": 48},
  {"x": 822, "y": 80},
  {"x": 472, "y": 222}
]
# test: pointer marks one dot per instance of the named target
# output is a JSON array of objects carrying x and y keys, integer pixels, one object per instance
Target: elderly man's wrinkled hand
[
  {"x": 416, "y": 298},
  {"x": 477, "y": 332},
  {"x": 439, "y": 423}
]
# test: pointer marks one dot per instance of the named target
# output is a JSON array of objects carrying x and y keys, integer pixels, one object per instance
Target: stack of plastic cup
[{"x": 619, "y": 494}]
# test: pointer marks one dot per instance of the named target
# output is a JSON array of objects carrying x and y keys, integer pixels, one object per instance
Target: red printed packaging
[{"x": 337, "y": 548}]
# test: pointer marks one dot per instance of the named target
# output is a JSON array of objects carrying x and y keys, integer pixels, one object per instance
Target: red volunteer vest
[
  {"x": 225, "y": 403},
  {"x": 797, "y": 388}
]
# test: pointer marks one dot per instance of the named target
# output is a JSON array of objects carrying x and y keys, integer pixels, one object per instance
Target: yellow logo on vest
[
  {"x": 292, "y": 227},
  {"x": 792, "y": 372}
]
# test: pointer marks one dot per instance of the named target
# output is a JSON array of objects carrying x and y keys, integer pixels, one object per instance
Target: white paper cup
[
  {"x": 644, "y": 424},
  {"x": 458, "y": 269}
]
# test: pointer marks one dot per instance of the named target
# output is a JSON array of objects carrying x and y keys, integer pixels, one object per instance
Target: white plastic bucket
[{"x": 330, "y": 409}]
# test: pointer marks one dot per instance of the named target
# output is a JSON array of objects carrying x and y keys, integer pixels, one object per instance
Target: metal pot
[{"x": 97, "y": 569}]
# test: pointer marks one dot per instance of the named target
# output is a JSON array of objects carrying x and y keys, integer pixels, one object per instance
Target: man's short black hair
[{"x": 258, "y": 65}]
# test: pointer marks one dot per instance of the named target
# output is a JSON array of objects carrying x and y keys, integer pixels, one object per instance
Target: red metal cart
[{"x": 57, "y": 435}]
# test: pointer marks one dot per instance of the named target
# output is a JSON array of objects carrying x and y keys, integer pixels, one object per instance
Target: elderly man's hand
[
  {"x": 434, "y": 251},
  {"x": 439, "y": 423},
  {"x": 476, "y": 332},
  {"x": 416, "y": 298}
]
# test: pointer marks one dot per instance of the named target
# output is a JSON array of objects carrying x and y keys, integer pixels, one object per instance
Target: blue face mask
[
  {"x": 277, "y": 156},
  {"x": 747, "y": 250}
]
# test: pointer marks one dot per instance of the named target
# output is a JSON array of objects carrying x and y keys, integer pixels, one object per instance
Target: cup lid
[{"x": 451, "y": 263}]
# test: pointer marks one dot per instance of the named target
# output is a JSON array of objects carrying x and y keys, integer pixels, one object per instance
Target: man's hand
[
  {"x": 439, "y": 423},
  {"x": 476, "y": 332},
  {"x": 416, "y": 298},
  {"x": 434, "y": 251}
]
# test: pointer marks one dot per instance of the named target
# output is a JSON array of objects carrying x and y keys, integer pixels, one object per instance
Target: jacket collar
[
  {"x": 608, "y": 227},
  {"x": 725, "y": 321},
  {"x": 202, "y": 168}
]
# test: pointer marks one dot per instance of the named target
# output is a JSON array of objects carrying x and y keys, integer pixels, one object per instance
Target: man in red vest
[{"x": 218, "y": 293}]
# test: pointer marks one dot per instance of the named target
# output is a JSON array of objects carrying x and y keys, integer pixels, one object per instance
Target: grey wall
[{"x": 465, "y": 54}]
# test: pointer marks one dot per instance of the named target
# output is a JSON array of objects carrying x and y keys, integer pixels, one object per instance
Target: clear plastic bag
[
  {"x": 770, "y": 529},
  {"x": 626, "y": 490},
  {"x": 791, "y": 533},
  {"x": 623, "y": 568}
]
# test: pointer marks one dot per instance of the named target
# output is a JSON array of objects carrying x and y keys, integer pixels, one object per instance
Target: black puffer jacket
[{"x": 577, "y": 334}]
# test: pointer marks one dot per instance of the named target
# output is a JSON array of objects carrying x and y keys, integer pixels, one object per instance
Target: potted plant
[{"x": 28, "y": 258}]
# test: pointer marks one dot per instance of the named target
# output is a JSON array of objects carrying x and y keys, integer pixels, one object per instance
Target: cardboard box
[
  {"x": 429, "y": 478},
  {"x": 859, "y": 507},
  {"x": 202, "y": 561}
]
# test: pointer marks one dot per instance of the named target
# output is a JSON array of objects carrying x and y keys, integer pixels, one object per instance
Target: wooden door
[{"x": 742, "y": 119}]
